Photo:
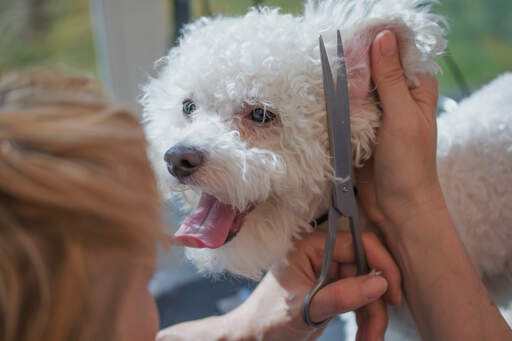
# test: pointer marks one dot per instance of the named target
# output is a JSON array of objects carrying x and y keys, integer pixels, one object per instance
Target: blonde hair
[{"x": 75, "y": 186}]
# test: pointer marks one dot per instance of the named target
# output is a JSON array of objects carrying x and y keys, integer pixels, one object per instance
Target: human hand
[
  {"x": 401, "y": 177},
  {"x": 400, "y": 191},
  {"x": 274, "y": 310}
]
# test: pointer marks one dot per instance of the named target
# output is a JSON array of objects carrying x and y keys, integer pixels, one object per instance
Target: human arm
[
  {"x": 399, "y": 188},
  {"x": 274, "y": 310}
]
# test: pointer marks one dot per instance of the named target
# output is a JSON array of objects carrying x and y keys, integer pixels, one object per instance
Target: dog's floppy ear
[
  {"x": 418, "y": 46},
  {"x": 420, "y": 33},
  {"x": 420, "y": 37}
]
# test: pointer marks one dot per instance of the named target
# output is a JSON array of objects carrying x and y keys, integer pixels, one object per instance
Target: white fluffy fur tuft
[{"x": 475, "y": 169}]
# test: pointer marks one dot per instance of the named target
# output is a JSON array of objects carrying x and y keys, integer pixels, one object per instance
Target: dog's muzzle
[{"x": 183, "y": 161}]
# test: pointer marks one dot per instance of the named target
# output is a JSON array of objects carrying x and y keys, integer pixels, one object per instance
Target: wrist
[
  {"x": 405, "y": 213},
  {"x": 419, "y": 229}
]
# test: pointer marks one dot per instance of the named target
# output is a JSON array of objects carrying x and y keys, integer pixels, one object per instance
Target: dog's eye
[
  {"x": 188, "y": 107},
  {"x": 261, "y": 115}
]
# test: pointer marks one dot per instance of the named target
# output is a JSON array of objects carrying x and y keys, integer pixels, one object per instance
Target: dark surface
[{"x": 197, "y": 299}]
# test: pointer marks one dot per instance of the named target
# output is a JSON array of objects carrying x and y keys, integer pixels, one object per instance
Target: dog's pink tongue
[{"x": 208, "y": 226}]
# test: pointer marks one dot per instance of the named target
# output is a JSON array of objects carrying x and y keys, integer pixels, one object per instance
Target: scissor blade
[
  {"x": 337, "y": 107},
  {"x": 341, "y": 117},
  {"x": 329, "y": 93}
]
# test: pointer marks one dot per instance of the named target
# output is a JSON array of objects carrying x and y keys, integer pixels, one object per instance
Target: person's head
[{"x": 79, "y": 216}]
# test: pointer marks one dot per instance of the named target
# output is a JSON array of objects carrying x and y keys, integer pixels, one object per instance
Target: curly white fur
[
  {"x": 226, "y": 65},
  {"x": 272, "y": 59},
  {"x": 475, "y": 169}
]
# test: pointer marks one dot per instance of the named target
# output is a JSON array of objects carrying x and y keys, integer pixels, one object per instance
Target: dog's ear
[
  {"x": 417, "y": 50},
  {"x": 420, "y": 33},
  {"x": 420, "y": 37}
]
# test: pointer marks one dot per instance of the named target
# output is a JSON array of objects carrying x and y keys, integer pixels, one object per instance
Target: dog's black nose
[{"x": 183, "y": 161}]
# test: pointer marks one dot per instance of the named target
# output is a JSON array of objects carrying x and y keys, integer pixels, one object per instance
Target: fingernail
[
  {"x": 387, "y": 43},
  {"x": 374, "y": 287},
  {"x": 375, "y": 272}
]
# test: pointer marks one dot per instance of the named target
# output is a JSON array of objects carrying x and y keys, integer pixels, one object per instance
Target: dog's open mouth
[{"x": 212, "y": 224}]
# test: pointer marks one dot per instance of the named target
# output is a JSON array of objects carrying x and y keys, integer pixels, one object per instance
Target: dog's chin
[
  {"x": 239, "y": 222},
  {"x": 212, "y": 224}
]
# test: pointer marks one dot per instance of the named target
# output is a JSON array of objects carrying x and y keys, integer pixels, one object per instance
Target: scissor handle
[
  {"x": 330, "y": 241},
  {"x": 357, "y": 241},
  {"x": 323, "y": 279}
]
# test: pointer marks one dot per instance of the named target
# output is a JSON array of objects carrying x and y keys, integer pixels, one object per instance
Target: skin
[
  {"x": 400, "y": 190},
  {"x": 274, "y": 310}
]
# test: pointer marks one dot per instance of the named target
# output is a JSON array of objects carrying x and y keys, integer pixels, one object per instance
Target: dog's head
[{"x": 237, "y": 115}]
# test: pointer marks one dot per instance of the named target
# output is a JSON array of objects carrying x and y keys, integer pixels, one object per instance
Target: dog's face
[{"x": 237, "y": 115}]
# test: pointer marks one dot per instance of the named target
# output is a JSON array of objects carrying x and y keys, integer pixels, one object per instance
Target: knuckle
[
  {"x": 391, "y": 76},
  {"x": 411, "y": 128},
  {"x": 345, "y": 302},
  {"x": 371, "y": 206},
  {"x": 308, "y": 239},
  {"x": 381, "y": 323},
  {"x": 300, "y": 243},
  {"x": 370, "y": 237},
  {"x": 301, "y": 247},
  {"x": 374, "y": 214}
]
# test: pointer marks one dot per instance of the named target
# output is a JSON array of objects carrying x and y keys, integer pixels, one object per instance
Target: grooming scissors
[{"x": 343, "y": 200}]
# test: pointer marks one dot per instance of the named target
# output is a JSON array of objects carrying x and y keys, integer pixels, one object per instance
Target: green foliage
[
  {"x": 64, "y": 41},
  {"x": 479, "y": 38}
]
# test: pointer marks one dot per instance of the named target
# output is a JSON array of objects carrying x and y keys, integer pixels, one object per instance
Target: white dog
[{"x": 237, "y": 116}]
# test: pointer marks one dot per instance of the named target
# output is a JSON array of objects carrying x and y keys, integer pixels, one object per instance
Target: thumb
[
  {"x": 346, "y": 295},
  {"x": 426, "y": 95},
  {"x": 387, "y": 73}
]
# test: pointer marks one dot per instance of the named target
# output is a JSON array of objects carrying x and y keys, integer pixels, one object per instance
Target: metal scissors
[{"x": 343, "y": 200}]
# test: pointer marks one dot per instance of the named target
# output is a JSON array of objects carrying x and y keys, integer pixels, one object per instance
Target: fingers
[
  {"x": 379, "y": 259},
  {"x": 390, "y": 297},
  {"x": 346, "y": 295},
  {"x": 377, "y": 256},
  {"x": 388, "y": 75},
  {"x": 372, "y": 321}
]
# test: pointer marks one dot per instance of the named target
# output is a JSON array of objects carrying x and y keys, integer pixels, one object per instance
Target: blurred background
[
  {"x": 119, "y": 40},
  {"x": 79, "y": 34}
]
